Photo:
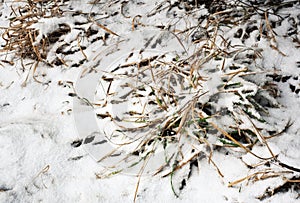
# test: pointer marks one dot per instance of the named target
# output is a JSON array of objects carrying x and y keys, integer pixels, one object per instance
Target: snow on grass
[{"x": 205, "y": 94}]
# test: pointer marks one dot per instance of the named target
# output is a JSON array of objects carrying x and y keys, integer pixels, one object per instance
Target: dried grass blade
[
  {"x": 104, "y": 28},
  {"x": 236, "y": 142},
  {"x": 140, "y": 175},
  {"x": 81, "y": 50}
]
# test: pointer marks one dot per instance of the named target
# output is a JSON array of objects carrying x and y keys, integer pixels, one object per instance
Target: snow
[{"x": 45, "y": 152}]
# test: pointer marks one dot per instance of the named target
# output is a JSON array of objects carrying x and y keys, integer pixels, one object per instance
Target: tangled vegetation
[{"x": 213, "y": 96}]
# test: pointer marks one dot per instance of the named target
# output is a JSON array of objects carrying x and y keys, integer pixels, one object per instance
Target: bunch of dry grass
[
  {"x": 196, "y": 121},
  {"x": 20, "y": 38}
]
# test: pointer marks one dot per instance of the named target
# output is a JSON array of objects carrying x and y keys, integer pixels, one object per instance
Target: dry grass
[
  {"x": 20, "y": 38},
  {"x": 189, "y": 117},
  {"x": 193, "y": 122}
]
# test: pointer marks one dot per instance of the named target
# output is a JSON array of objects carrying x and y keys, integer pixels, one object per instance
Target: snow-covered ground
[{"x": 51, "y": 139}]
